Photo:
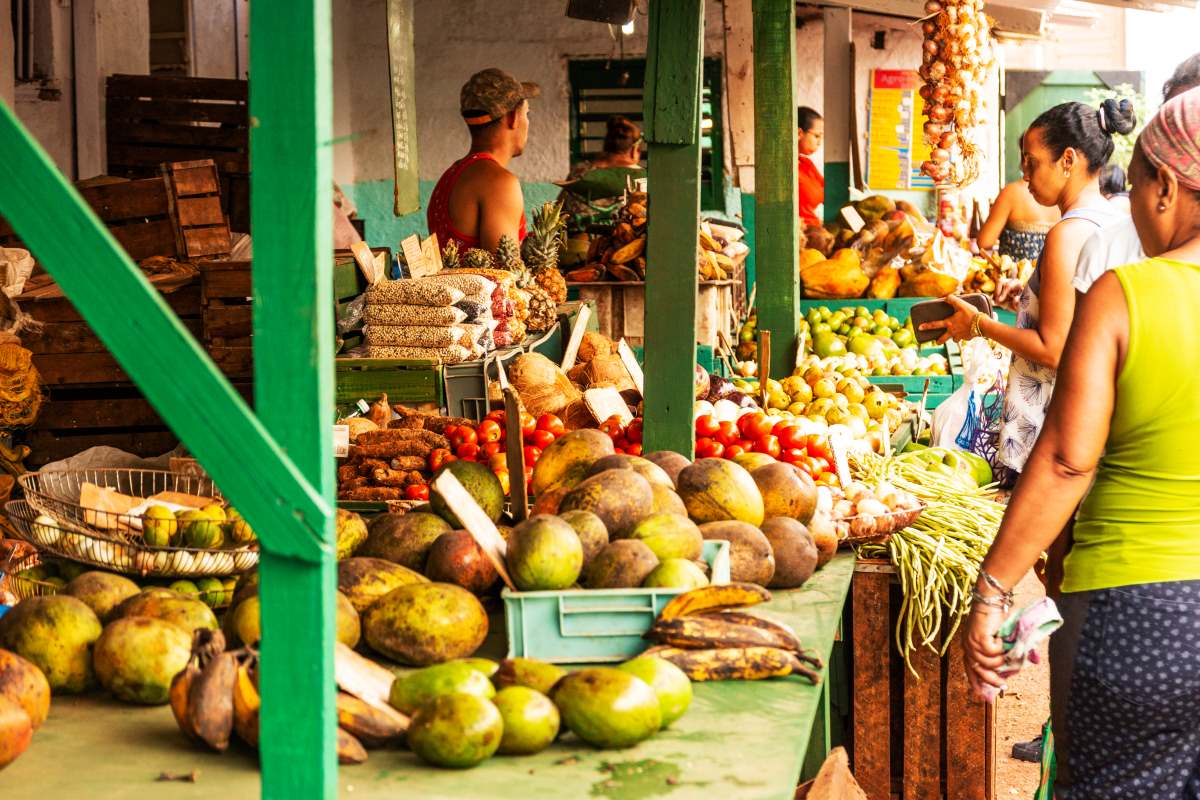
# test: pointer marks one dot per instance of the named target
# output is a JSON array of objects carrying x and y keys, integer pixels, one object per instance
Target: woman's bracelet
[
  {"x": 976, "y": 330},
  {"x": 1002, "y": 603}
]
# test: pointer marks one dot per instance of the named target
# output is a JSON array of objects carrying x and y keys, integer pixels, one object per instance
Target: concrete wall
[
  {"x": 7, "y": 88},
  {"x": 45, "y": 107}
]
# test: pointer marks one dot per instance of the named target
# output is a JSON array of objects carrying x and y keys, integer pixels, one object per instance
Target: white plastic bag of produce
[{"x": 970, "y": 418}]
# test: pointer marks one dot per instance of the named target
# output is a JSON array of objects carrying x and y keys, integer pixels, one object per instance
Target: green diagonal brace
[{"x": 161, "y": 356}]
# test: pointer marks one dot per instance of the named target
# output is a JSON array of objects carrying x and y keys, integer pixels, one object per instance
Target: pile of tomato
[
  {"x": 755, "y": 433},
  {"x": 627, "y": 437},
  {"x": 485, "y": 443}
]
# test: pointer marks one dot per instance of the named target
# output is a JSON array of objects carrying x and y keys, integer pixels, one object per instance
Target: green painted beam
[
  {"x": 674, "y": 57},
  {"x": 291, "y": 113},
  {"x": 151, "y": 344},
  {"x": 776, "y": 220}
]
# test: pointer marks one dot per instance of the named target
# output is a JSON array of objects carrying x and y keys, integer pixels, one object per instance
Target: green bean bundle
[{"x": 936, "y": 558}]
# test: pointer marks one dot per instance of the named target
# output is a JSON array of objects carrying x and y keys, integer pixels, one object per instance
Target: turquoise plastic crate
[{"x": 594, "y": 625}]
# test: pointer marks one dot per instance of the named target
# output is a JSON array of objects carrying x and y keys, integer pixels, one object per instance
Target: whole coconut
[
  {"x": 457, "y": 558},
  {"x": 671, "y": 463},
  {"x": 22, "y": 682},
  {"x": 136, "y": 658},
  {"x": 794, "y": 550},
  {"x": 403, "y": 538},
  {"x": 479, "y": 481},
  {"x": 426, "y": 623},
  {"x": 786, "y": 491},
  {"x": 670, "y": 536},
  {"x": 715, "y": 490},
  {"x": 102, "y": 591},
  {"x": 619, "y": 497},
  {"x": 56, "y": 633},
  {"x": 590, "y": 529}
]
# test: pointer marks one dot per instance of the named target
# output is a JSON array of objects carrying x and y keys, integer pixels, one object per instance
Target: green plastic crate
[
  {"x": 402, "y": 380},
  {"x": 594, "y": 625},
  {"x": 706, "y": 357}
]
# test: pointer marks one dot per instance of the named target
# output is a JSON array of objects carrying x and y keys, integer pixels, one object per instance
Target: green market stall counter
[{"x": 739, "y": 740}]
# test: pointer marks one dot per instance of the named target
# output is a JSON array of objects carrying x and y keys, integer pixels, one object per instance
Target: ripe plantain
[
  {"x": 246, "y": 704},
  {"x": 735, "y": 663},
  {"x": 784, "y": 633},
  {"x": 210, "y": 701},
  {"x": 205, "y": 644},
  {"x": 349, "y": 749},
  {"x": 363, "y": 721},
  {"x": 714, "y": 598},
  {"x": 709, "y": 631}
]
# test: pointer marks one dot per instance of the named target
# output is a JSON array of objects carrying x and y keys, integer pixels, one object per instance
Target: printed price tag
[
  {"x": 417, "y": 267},
  {"x": 341, "y": 441},
  {"x": 631, "y": 366},
  {"x": 577, "y": 331},
  {"x": 838, "y": 443}
]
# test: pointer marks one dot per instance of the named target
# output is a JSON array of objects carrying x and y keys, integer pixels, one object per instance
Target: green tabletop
[{"x": 738, "y": 740}]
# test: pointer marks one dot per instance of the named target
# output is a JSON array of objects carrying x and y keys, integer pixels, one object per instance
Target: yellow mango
[
  {"x": 810, "y": 256},
  {"x": 885, "y": 283},
  {"x": 929, "y": 284}
]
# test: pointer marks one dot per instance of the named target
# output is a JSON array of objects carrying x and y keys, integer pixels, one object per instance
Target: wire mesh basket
[
  {"x": 26, "y": 586},
  {"x": 58, "y": 493},
  {"x": 124, "y": 551}
]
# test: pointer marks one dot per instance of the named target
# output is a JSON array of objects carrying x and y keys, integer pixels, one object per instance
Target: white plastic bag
[{"x": 985, "y": 373}]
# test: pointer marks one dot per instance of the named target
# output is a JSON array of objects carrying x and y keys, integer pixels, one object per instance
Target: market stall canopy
[{"x": 1014, "y": 18}]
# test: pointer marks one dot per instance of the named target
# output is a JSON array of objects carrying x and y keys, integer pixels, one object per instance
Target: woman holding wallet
[{"x": 1061, "y": 157}]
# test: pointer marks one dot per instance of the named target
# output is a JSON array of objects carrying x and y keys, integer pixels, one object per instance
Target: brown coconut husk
[
  {"x": 578, "y": 374},
  {"x": 543, "y": 387},
  {"x": 609, "y": 370},
  {"x": 594, "y": 344}
]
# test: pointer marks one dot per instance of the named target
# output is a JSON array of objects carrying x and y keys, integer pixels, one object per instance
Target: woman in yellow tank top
[{"x": 1125, "y": 667}]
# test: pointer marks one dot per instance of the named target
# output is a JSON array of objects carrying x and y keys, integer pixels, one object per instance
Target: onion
[
  {"x": 941, "y": 93},
  {"x": 931, "y": 47},
  {"x": 934, "y": 129},
  {"x": 928, "y": 28},
  {"x": 940, "y": 155},
  {"x": 925, "y": 91},
  {"x": 939, "y": 114},
  {"x": 947, "y": 140},
  {"x": 937, "y": 70},
  {"x": 932, "y": 7}
]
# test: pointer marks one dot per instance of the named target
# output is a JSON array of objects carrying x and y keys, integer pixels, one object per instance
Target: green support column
[
  {"x": 290, "y": 106},
  {"x": 839, "y": 79},
  {"x": 776, "y": 220},
  {"x": 672, "y": 111}
]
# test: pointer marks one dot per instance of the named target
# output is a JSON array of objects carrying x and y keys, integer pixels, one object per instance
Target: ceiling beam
[{"x": 1024, "y": 21}]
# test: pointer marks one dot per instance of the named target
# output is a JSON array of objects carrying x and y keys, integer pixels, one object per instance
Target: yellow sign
[{"x": 895, "y": 144}]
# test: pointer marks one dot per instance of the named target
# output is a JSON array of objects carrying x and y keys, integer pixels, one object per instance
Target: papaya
[
  {"x": 810, "y": 256},
  {"x": 884, "y": 284},
  {"x": 351, "y": 533},
  {"x": 715, "y": 490},
  {"x": 671, "y": 462},
  {"x": 426, "y": 623},
  {"x": 929, "y": 283},
  {"x": 56, "y": 633},
  {"x": 838, "y": 277},
  {"x": 365, "y": 580}
]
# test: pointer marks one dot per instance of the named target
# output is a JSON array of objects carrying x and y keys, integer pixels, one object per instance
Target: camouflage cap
[{"x": 492, "y": 93}]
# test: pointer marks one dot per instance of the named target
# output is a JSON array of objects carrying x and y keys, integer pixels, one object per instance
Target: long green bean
[{"x": 936, "y": 558}]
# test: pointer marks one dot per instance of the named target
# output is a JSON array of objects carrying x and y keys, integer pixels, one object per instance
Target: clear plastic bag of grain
[
  {"x": 414, "y": 291},
  {"x": 475, "y": 288},
  {"x": 419, "y": 336},
  {"x": 455, "y": 354},
  {"x": 396, "y": 314}
]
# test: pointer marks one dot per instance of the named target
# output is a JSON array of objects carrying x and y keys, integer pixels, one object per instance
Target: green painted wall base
[
  {"x": 837, "y": 187},
  {"x": 748, "y": 223}
]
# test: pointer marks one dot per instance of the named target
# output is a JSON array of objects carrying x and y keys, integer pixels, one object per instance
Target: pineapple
[
  {"x": 547, "y": 235},
  {"x": 476, "y": 258},
  {"x": 508, "y": 255},
  {"x": 450, "y": 259},
  {"x": 543, "y": 311}
]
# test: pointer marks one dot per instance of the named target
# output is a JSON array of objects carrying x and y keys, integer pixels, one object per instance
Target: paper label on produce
[
  {"x": 363, "y": 407},
  {"x": 341, "y": 441},
  {"x": 415, "y": 257},
  {"x": 837, "y": 443},
  {"x": 854, "y": 220}
]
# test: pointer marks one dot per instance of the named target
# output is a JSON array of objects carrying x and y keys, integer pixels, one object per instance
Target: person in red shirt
[
  {"x": 477, "y": 199},
  {"x": 810, "y": 130}
]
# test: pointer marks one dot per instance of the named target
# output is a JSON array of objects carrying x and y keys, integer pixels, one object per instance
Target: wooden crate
[
  {"x": 175, "y": 214},
  {"x": 915, "y": 739},
  {"x": 156, "y": 118},
  {"x": 621, "y": 309}
]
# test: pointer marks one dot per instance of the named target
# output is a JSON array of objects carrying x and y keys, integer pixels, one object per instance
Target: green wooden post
[
  {"x": 672, "y": 110},
  {"x": 291, "y": 197},
  {"x": 776, "y": 220}
]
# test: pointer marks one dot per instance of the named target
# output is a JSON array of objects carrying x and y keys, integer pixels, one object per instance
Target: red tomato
[
  {"x": 468, "y": 451},
  {"x": 496, "y": 416},
  {"x": 498, "y": 462},
  {"x": 489, "y": 431},
  {"x": 438, "y": 457},
  {"x": 747, "y": 445},
  {"x": 491, "y": 448},
  {"x": 780, "y": 426},
  {"x": 828, "y": 479},
  {"x": 634, "y": 449},
  {"x": 450, "y": 430},
  {"x": 416, "y": 492},
  {"x": 541, "y": 439},
  {"x": 528, "y": 424},
  {"x": 820, "y": 464},
  {"x": 819, "y": 448},
  {"x": 502, "y": 474},
  {"x": 532, "y": 454},
  {"x": 791, "y": 438},
  {"x": 768, "y": 444},
  {"x": 728, "y": 433},
  {"x": 551, "y": 423},
  {"x": 709, "y": 448},
  {"x": 734, "y": 450},
  {"x": 802, "y": 463},
  {"x": 620, "y": 451},
  {"x": 792, "y": 455},
  {"x": 612, "y": 426},
  {"x": 633, "y": 431},
  {"x": 754, "y": 425},
  {"x": 707, "y": 425},
  {"x": 621, "y": 442},
  {"x": 463, "y": 435}
]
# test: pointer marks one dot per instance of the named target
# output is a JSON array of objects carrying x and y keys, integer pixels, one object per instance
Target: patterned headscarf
[{"x": 1172, "y": 138}]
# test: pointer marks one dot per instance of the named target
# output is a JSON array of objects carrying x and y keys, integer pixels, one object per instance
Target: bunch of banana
[
  {"x": 698, "y": 632},
  {"x": 216, "y": 694}
]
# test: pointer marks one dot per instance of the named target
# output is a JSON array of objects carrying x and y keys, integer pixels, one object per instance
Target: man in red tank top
[{"x": 477, "y": 199}]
